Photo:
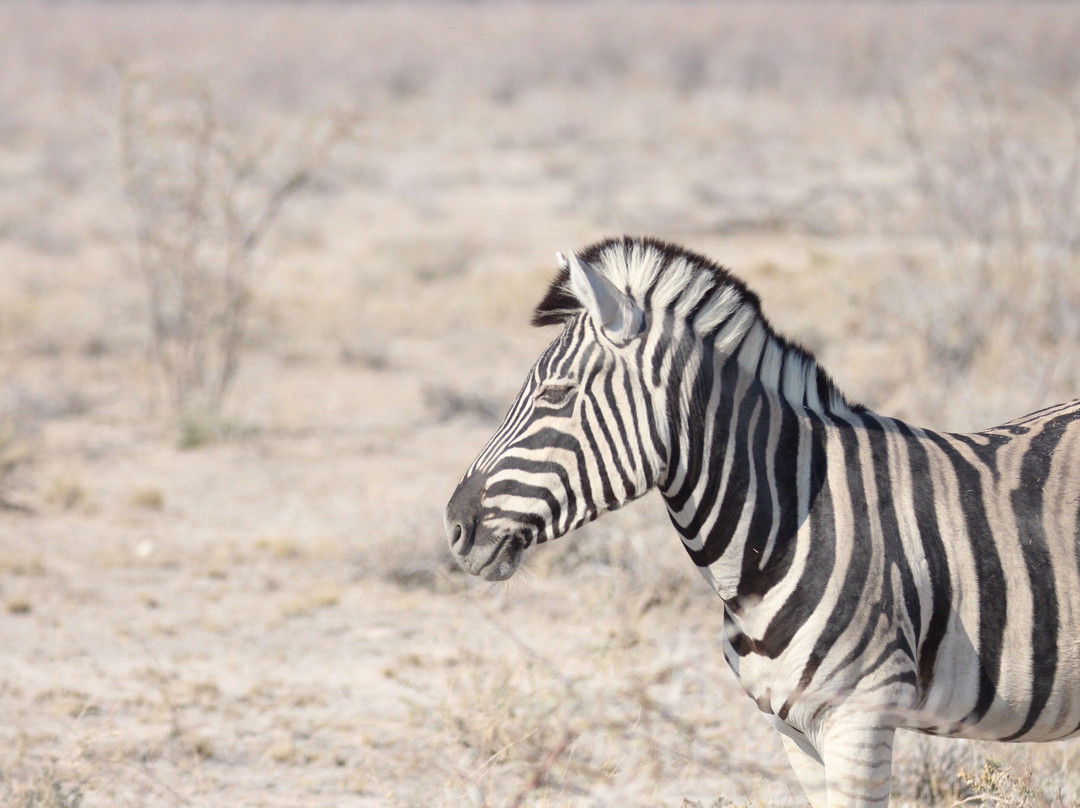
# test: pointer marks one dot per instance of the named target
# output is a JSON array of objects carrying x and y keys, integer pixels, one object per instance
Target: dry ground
[{"x": 269, "y": 618}]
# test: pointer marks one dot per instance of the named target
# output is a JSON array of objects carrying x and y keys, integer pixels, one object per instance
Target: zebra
[{"x": 874, "y": 575}]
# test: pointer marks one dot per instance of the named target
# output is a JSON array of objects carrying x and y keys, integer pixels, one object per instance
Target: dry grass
[
  {"x": 999, "y": 168},
  {"x": 273, "y": 619}
]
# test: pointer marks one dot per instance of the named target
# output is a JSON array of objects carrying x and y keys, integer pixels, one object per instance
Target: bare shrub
[
  {"x": 952, "y": 772},
  {"x": 203, "y": 200},
  {"x": 998, "y": 168}
]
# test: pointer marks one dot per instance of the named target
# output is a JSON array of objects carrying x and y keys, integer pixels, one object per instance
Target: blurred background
[{"x": 265, "y": 276}]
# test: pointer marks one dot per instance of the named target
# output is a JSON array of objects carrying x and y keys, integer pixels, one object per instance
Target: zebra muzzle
[
  {"x": 476, "y": 543},
  {"x": 462, "y": 514}
]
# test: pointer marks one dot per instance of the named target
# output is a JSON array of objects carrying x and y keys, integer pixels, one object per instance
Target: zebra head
[{"x": 581, "y": 438}]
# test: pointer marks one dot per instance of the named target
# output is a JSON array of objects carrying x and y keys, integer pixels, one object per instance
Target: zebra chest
[{"x": 772, "y": 682}]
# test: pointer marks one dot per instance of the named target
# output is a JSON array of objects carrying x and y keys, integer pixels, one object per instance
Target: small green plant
[{"x": 200, "y": 427}]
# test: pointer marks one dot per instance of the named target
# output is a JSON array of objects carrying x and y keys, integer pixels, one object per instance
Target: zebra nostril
[{"x": 462, "y": 513}]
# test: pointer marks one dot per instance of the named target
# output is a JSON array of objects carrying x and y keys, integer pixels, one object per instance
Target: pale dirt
[{"x": 273, "y": 620}]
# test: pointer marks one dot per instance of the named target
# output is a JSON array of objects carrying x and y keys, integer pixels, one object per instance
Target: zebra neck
[
  {"x": 745, "y": 459},
  {"x": 743, "y": 485}
]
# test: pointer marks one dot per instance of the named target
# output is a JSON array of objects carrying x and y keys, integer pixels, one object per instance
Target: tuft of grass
[
  {"x": 364, "y": 354},
  {"x": 16, "y": 429},
  {"x": 324, "y": 597},
  {"x": 929, "y": 774},
  {"x": 202, "y": 748},
  {"x": 67, "y": 493},
  {"x": 205, "y": 427},
  {"x": 147, "y": 499},
  {"x": 46, "y": 789},
  {"x": 19, "y": 605},
  {"x": 280, "y": 547}
]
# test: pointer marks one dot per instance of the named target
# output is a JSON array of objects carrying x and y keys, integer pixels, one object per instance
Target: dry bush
[
  {"x": 998, "y": 168},
  {"x": 203, "y": 200},
  {"x": 950, "y": 772},
  {"x": 928, "y": 773},
  {"x": 994, "y": 784},
  {"x": 46, "y": 788}
]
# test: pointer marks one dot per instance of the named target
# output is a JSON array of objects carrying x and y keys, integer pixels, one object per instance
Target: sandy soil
[{"x": 269, "y": 618}]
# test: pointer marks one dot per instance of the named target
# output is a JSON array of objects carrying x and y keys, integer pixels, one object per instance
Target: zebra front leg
[
  {"x": 808, "y": 770},
  {"x": 858, "y": 762}
]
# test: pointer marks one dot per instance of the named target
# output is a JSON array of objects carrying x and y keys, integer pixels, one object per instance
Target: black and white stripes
[{"x": 874, "y": 575}]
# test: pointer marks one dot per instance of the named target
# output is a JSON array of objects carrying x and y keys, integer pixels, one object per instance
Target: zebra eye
[{"x": 555, "y": 395}]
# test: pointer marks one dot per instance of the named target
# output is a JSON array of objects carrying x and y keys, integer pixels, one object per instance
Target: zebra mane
[{"x": 661, "y": 276}]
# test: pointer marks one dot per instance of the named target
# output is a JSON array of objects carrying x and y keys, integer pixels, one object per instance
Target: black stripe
[
  {"x": 657, "y": 441},
  {"x": 879, "y": 606},
  {"x": 753, "y": 584},
  {"x": 680, "y": 355},
  {"x": 853, "y": 582},
  {"x": 937, "y": 562},
  {"x": 1027, "y": 503},
  {"x": 756, "y": 579},
  {"x": 904, "y": 677},
  {"x": 529, "y": 519},
  {"x": 812, "y": 583},
  {"x": 526, "y": 491},
  {"x": 616, "y": 448},
  {"x": 696, "y": 429},
  {"x": 636, "y": 420},
  {"x": 734, "y": 495},
  {"x": 890, "y": 524},
  {"x": 667, "y": 331},
  {"x": 989, "y": 576},
  {"x": 546, "y": 467},
  {"x": 594, "y": 449},
  {"x": 887, "y": 652},
  {"x": 551, "y": 438}
]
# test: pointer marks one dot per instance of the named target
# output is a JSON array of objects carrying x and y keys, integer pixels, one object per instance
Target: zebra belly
[{"x": 1031, "y": 700}]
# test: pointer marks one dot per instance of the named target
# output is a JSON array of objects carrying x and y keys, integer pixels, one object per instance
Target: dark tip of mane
[{"x": 559, "y": 304}]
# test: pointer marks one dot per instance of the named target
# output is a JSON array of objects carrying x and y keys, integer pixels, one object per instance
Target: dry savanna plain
[{"x": 265, "y": 277}]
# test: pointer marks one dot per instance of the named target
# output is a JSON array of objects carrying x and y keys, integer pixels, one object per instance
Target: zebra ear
[{"x": 613, "y": 310}]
